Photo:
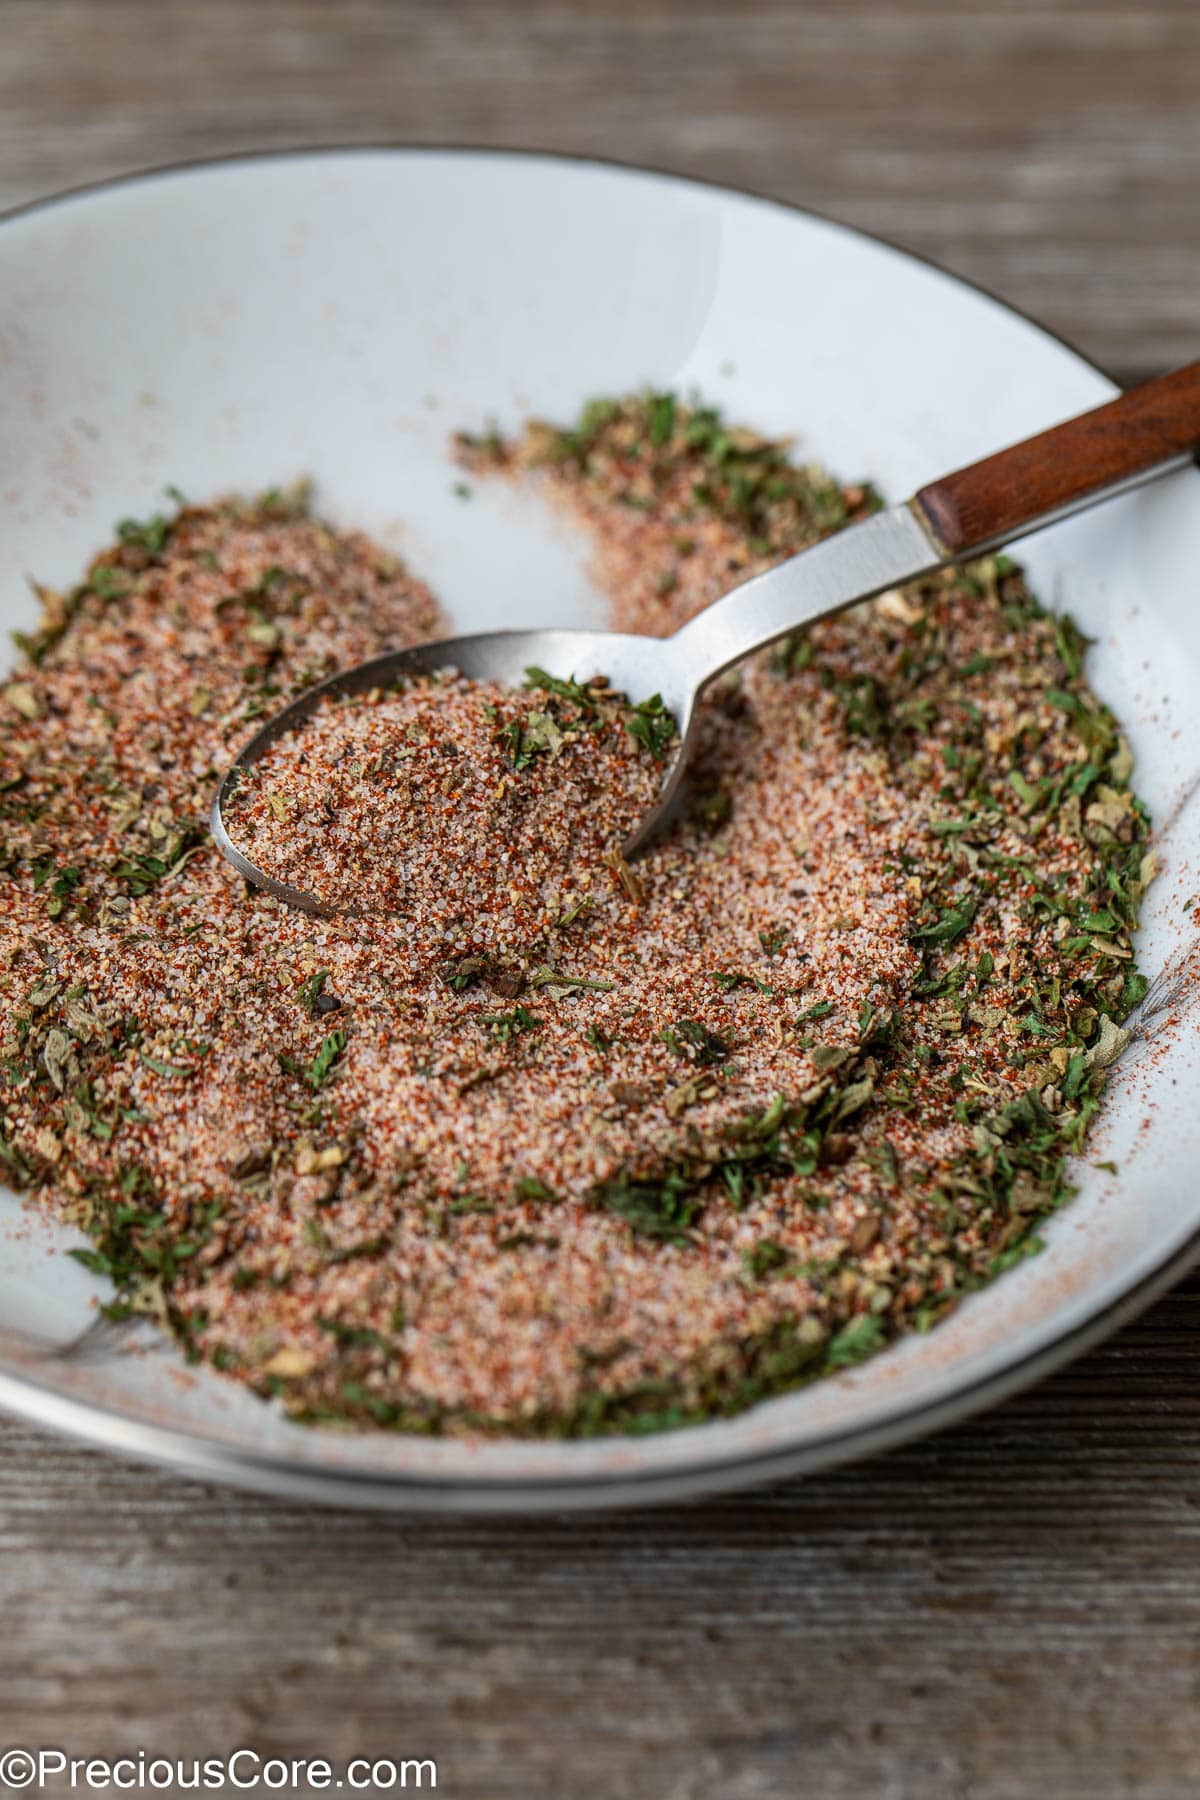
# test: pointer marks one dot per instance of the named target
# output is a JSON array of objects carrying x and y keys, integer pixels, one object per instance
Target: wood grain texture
[
  {"x": 1148, "y": 427},
  {"x": 1011, "y": 1610}
]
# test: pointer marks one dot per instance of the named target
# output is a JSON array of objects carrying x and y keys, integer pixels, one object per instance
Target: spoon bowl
[{"x": 638, "y": 667}]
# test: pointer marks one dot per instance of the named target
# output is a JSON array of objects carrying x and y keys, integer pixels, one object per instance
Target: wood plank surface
[{"x": 1009, "y": 1610}]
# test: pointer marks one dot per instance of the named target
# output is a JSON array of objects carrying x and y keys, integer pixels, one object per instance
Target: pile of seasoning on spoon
[{"x": 468, "y": 809}]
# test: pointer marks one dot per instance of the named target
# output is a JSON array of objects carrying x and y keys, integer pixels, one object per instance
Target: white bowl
[{"x": 338, "y": 314}]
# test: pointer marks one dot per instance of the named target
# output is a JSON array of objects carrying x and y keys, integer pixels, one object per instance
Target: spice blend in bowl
[{"x": 679, "y": 1136}]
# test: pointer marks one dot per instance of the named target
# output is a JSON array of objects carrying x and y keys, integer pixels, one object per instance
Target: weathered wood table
[{"x": 1012, "y": 1609}]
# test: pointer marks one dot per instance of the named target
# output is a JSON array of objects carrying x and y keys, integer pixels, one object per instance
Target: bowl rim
[{"x": 193, "y": 1453}]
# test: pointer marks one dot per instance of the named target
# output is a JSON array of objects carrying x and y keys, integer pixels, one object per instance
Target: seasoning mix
[
  {"x": 557, "y": 1144},
  {"x": 460, "y": 806}
]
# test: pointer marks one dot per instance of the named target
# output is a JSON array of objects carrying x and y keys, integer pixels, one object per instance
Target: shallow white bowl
[{"x": 338, "y": 314}]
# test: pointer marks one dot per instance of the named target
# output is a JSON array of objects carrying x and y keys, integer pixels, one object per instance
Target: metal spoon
[{"x": 1143, "y": 434}]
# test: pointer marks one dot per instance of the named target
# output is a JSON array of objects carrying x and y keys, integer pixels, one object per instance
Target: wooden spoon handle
[{"x": 1068, "y": 467}]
